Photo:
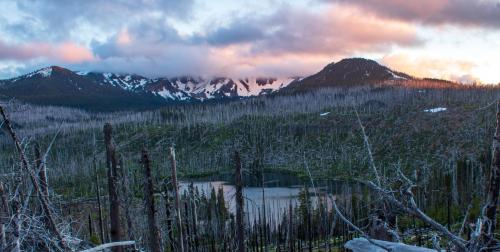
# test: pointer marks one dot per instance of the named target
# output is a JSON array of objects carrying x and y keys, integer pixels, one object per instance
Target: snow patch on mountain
[
  {"x": 395, "y": 76},
  {"x": 222, "y": 87},
  {"x": 258, "y": 86},
  {"x": 169, "y": 95},
  {"x": 125, "y": 81},
  {"x": 44, "y": 72},
  {"x": 82, "y": 73}
]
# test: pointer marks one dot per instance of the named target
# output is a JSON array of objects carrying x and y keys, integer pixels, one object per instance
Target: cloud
[
  {"x": 467, "y": 78},
  {"x": 335, "y": 31},
  {"x": 149, "y": 37},
  {"x": 72, "y": 53},
  {"x": 338, "y": 31},
  {"x": 442, "y": 68},
  {"x": 288, "y": 41},
  {"x": 238, "y": 31},
  {"x": 433, "y": 12},
  {"x": 66, "y": 52},
  {"x": 55, "y": 20}
]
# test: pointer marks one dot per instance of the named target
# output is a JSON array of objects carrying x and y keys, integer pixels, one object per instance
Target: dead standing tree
[
  {"x": 26, "y": 167},
  {"x": 99, "y": 206},
  {"x": 4, "y": 216},
  {"x": 166, "y": 197},
  {"x": 240, "y": 226},
  {"x": 402, "y": 198},
  {"x": 149, "y": 204},
  {"x": 127, "y": 199},
  {"x": 177, "y": 199},
  {"x": 42, "y": 171},
  {"x": 114, "y": 201},
  {"x": 486, "y": 227}
]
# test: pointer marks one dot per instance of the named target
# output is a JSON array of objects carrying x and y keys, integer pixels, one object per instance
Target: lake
[{"x": 277, "y": 199}]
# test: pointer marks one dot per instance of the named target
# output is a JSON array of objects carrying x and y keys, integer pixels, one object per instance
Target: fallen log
[{"x": 110, "y": 245}]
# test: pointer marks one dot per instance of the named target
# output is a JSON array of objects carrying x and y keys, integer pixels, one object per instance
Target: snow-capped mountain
[
  {"x": 190, "y": 88},
  {"x": 221, "y": 87},
  {"x": 54, "y": 85},
  {"x": 104, "y": 91},
  {"x": 126, "y": 82}
]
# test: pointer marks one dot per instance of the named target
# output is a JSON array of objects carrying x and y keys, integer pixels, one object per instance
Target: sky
[{"x": 450, "y": 39}]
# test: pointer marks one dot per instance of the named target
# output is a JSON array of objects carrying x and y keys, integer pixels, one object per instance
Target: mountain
[
  {"x": 347, "y": 73},
  {"x": 110, "y": 91},
  {"x": 222, "y": 87},
  {"x": 189, "y": 88},
  {"x": 59, "y": 86}
]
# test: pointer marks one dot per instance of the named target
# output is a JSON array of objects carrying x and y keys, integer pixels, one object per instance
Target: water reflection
[{"x": 277, "y": 199}]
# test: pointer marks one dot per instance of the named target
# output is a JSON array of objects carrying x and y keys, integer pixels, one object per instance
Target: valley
[{"x": 436, "y": 132}]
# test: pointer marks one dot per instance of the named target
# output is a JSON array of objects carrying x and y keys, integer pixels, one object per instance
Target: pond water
[{"x": 277, "y": 199}]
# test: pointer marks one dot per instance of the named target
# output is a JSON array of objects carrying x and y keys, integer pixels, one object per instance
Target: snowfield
[{"x": 435, "y": 110}]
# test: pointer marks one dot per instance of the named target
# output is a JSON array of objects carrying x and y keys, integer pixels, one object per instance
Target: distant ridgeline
[{"x": 109, "y": 91}]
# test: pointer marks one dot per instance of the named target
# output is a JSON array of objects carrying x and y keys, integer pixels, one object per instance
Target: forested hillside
[{"x": 438, "y": 134}]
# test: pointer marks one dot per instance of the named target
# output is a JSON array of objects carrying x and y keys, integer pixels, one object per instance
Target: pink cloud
[
  {"x": 123, "y": 37},
  {"x": 335, "y": 31},
  {"x": 442, "y": 68},
  {"x": 302, "y": 43},
  {"x": 66, "y": 52},
  {"x": 433, "y": 12},
  {"x": 72, "y": 53},
  {"x": 286, "y": 42}
]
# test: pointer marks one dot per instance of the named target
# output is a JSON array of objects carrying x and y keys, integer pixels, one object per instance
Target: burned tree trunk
[
  {"x": 25, "y": 166},
  {"x": 177, "y": 198},
  {"x": 169, "y": 220},
  {"x": 99, "y": 207},
  {"x": 42, "y": 171},
  {"x": 189, "y": 242},
  {"x": 91, "y": 228},
  {"x": 16, "y": 226},
  {"x": 491, "y": 205},
  {"x": 127, "y": 199},
  {"x": 240, "y": 226},
  {"x": 4, "y": 217},
  {"x": 42, "y": 176},
  {"x": 290, "y": 236},
  {"x": 114, "y": 202},
  {"x": 149, "y": 204}
]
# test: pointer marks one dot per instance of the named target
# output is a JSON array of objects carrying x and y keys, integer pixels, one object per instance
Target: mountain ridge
[
  {"x": 54, "y": 85},
  {"x": 346, "y": 73}
]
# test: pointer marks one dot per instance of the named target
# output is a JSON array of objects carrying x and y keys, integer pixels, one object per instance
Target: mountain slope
[
  {"x": 347, "y": 73},
  {"x": 59, "y": 86}
]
